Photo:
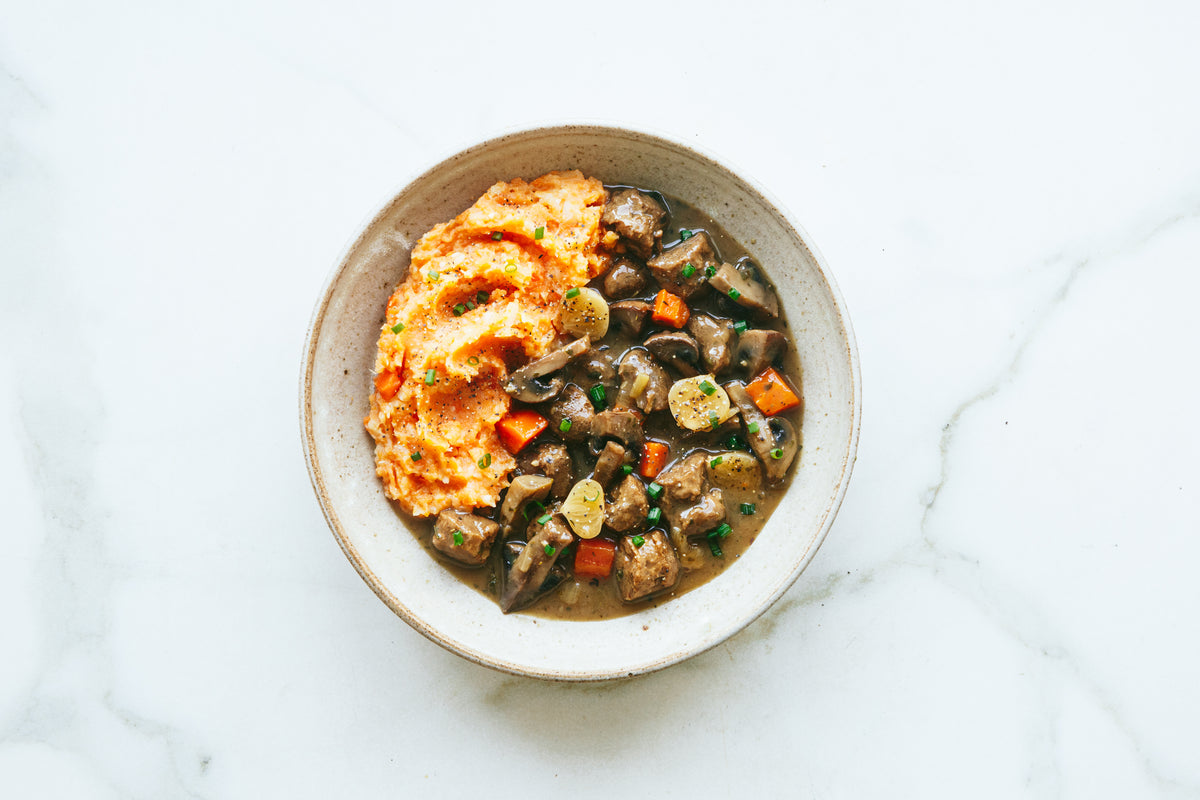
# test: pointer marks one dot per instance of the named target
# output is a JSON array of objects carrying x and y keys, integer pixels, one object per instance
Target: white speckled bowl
[{"x": 336, "y": 382}]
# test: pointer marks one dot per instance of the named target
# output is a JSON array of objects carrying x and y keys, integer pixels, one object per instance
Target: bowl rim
[{"x": 317, "y": 477}]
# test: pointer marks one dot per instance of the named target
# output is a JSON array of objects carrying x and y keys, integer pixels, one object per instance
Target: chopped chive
[
  {"x": 707, "y": 388},
  {"x": 399, "y": 326},
  {"x": 715, "y": 548},
  {"x": 415, "y": 456},
  {"x": 740, "y": 326},
  {"x": 748, "y": 508},
  {"x": 627, "y": 469},
  {"x": 655, "y": 491},
  {"x": 684, "y": 234},
  {"x": 752, "y": 427},
  {"x": 654, "y": 516},
  {"x": 735, "y": 442},
  {"x": 565, "y": 425},
  {"x": 734, "y": 294},
  {"x": 572, "y": 293},
  {"x": 458, "y": 540},
  {"x": 777, "y": 453},
  {"x": 713, "y": 419},
  {"x": 716, "y": 461},
  {"x": 473, "y": 361},
  {"x": 598, "y": 396},
  {"x": 430, "y": 376},
  {"x": 543, "y": 519},
  {"x": 470, "y": 305},
  {"x": 710, "y": 271},
  {"x": 722, "y": 530},
  {"x": 539, "y": 233},
  {"x": 486, "y": 461},
  {"x": 459, "y": 309},
  {"x": 431, "y": 276},
  {"x": 688, "y": 270},
  {"x": 549, "y": 549},
  {"x": 481, "y": 296},
  {"x": 638, "y": 541},
  {"x": 497, "y": 235},
  {"x": 512, "y": 267}
]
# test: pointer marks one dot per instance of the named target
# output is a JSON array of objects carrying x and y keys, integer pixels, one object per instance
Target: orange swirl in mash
[{"x": 482, "y": 295}]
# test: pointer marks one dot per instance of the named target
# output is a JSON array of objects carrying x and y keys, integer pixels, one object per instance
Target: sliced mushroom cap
[
  {"x": 574, "y": 407},
  {"x": 529, "y": 575},
  {"x": 644, "y": 383},
  {"x": 772, "y": 439},
  {"x": 629, "y": 315},
  {"x": 524, "y": 384},
  {"x": 676, "y": 349},
  {"x": 523, "y": 489},
  {"x": 616, "y": 423},
  {"x": 713, "y": 337},
  {"x": 757, "y": 349},
  {"x": 745, "y": 291}
]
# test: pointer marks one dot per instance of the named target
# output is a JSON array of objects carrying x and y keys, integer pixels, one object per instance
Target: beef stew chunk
[
  {"x": 464, "y": 537},
  {"x": 624, "y": 279},
  {"x": 553, "y": 460},
  {"x": 713, "y": 337},
  {"x": 645, "y": 565},
  {"x": 671, "y": 267},
  {"x": 575, "y": 408},
  {"x": 757, "y": 349},
  {"x": 629, "y": 505},
  {"x": 648, "y": 393},
  {"x": 637, "y": 218}
]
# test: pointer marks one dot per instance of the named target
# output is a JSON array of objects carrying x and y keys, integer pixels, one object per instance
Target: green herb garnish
[
  {"x": 710, "y": 271},
  {"x": 565, "y": 425},
  {"x": 716, "y": 461},
  {"x": 688, "y": 270},
  {"x": 626, "y": 469},
  {"x": 734, "y": 294},
  {"x": 497, "y": 235},
  {"x": 481, "y": 297},
  {"x": 638, "y": 541},
  {"x": 473, "y": 361},
  {"x": 655, "y": 490},
  {"x": 543, "y": 519},
  {"x": 752, "y": 427},
  {"x": 654, "y": 516},
  {"x": 572, "y": 293},
  {"x": 430, "y": 376},
  {"x": 684, "y": 234},
  {"x": 458, "y": 539},
  {"x": 486, "y": 461},
  {"x": 539, "y": 233},
  {"x": 415, "y": 456},
  {"x": 459, "y": 309},
  {"x": 713, "y": 419},
  {"x": 740, "y": 326},
  {"x": 549, "y": 549},
  {"x": 708, "y": 388},
  {"x": 598, "y": 396},
  {"x": 715, "y": 548},
  {"x": 747, "y": 508},
  {"x": 399, "y": 326},
  {"x": 777, "y": 453}
]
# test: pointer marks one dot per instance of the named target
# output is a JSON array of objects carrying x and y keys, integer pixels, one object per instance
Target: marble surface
[{"x": 1009, "y": 195}]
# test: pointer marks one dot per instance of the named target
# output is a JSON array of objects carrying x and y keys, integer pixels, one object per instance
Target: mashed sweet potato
[{"x": 482, "y": 295}]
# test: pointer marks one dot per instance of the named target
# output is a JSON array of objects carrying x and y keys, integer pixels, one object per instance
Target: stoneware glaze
[{"x": 336, "y": 382}]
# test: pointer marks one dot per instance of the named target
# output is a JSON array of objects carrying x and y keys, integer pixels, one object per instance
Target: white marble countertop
[{"x": 1007, "y": 605}]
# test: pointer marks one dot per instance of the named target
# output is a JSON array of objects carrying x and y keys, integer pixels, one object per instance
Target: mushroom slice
[
  {"x": 523, "y": 489},
  {"x": 676, "y": 349},
  {"x": 528, "y": 577},
  {"x": 757, "y": 349},
  {"x": 773, "y": 440},
  {"x": 745, "y": 291},
  {"x": 610, "y": 460},
  {"x": 572, "y": 414},
  {"x": 523, "y": 384},
  {"x": 629, "y": 315}
]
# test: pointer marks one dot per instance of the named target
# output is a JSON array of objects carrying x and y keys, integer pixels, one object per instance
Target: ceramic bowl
[{"x": 337, "y": 379}]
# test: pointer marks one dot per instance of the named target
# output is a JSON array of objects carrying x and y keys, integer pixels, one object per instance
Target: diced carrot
[
  {"x": 519, "y": 428},
  {"x": 594, "y": 558},
  {"x": 387, "y": 383},
  {"x": 654, "y": 458},
  {"x": 771, "y": 393},
  {"x": 670, "y": 310}
]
